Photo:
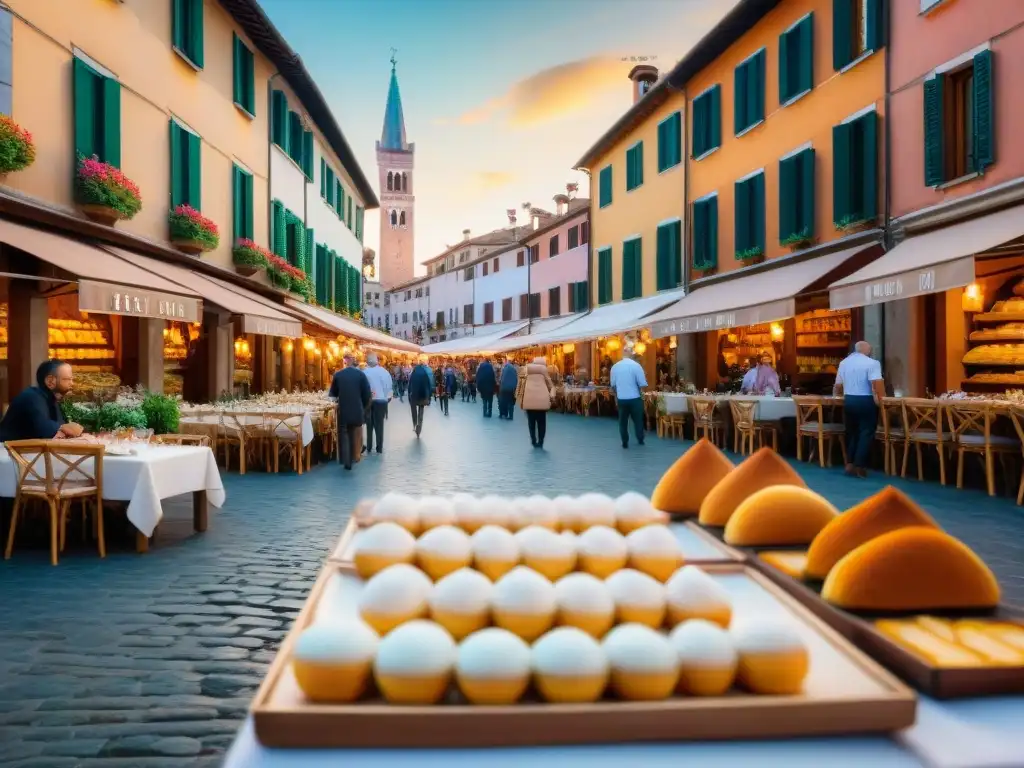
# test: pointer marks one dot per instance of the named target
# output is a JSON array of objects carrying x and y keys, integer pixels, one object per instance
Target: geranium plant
[
  {"x": 16, "y": 148},
  {"x": 285, "y": 275},
  {"x": 102, "y": 185},
  {"x": 190, "y": 227},
  {"x": 247, "y": 253}
]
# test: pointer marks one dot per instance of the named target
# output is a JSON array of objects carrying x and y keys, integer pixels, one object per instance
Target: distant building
[{"x": 395, "y": 164}]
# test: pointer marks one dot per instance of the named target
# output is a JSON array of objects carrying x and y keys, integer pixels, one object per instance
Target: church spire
[{"x": 392, "y": 137}]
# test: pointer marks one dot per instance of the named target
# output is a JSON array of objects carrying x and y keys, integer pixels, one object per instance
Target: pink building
[{"x": 558, "y": 256}]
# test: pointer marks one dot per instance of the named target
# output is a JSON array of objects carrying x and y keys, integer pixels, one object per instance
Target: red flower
[
  {"x": 188, "y": 212},
  {"x": 91, "y": 169}
]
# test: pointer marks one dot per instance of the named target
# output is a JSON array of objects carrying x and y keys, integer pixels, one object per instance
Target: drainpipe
[
  {"x": 685, "y": 246},
  {"x": 887, "y": 170}
]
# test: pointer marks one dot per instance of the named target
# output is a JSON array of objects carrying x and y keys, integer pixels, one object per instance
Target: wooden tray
[
  {"x": 845, "y": 693},
  {"x": 697, "y": 544}
]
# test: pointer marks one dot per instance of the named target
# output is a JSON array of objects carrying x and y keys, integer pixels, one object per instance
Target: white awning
[
  {"x": 484, "y": 336},
  {"x": 539, "y": 329},
  {"x": 347, "y": 327},
  {"x": 610, "y": 319}
]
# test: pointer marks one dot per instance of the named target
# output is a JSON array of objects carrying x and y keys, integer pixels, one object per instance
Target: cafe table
[
  {"x": 768, "y": 408},
  {"x": 145, "y": 478},
  {"x": 255, "y": 418}
]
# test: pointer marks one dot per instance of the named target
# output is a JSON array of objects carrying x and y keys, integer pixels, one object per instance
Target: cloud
[{"x": 491, "y": 180}]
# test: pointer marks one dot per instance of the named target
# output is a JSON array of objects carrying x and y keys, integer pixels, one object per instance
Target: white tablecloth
[
  {"x": 256, "y": 418},
  {"x": 768, "y": 409},
  {"x": 157, "y": 472}
]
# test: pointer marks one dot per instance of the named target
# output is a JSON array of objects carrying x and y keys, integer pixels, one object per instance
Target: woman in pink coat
[{"x": 537, "y": 400}]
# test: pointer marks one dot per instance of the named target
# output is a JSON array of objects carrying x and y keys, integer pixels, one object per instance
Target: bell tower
[{"x": 395, "y": 165}]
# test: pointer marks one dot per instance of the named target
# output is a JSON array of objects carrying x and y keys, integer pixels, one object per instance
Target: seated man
[{"x": 35, "y": 413}]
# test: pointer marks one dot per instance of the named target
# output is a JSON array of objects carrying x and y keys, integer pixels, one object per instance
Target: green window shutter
[
  {"x": 700, "y": 233},
  {"x": 675, "y": 254},
  {"x": 339, "y": 199},
  {"x": 195, "y": 33},
  {"x": 842, "y": 173},
  {"x": 247, "y": 207},
  {"x": 604, "y": 260},
  {"x": 295, "y": 137},
  {"x": 669, "y": 138},
  {"x": 244, "y": 83},
  {"x": 749, "y": 92},
  {"x": 757, "y": 212},
  {"x": 715, "y": 118},
  {"x": 789, "y": 204},
  {"x": 628, "y": 290},
  {"x": 177, "y": 157},
  {"x": 323, "y": 179},
  {"x": 786, "y": 89},
  {"x": 238, "y": 81},
  {"x": 178, "y": 23},
  {"x": 111, "y": 122},
  {"x": 662, "y": 146},
  {"x": 279, "y": 229},
  {"x": 661, "y": 259},
  {"x": 308, "y": 253},
  {"x": 307, "y": 154},
  {"x": 984, "y": 124},
  {"x": 330, "y": 186},
  {"x": 868, "y": 130},
  {"x": 741, "y": 100},
  {"x": 605, "y": 187},
  {"x": 237, "y": 197},
  {"x": 742, "y": 216},
  {"x": 699, "y": 127},
  {"x": 360, "y": 216},
  {"x": 934, "y": 173},
  {"x": 842, "y": 33},
  {"x": 807, "y": 188},
  {"x": 796, "y": 59},
  {"x": 195, "y": 171},
  {"x": 635, "y": 166},
  {"x": 86, "y": 91},
  {"x": 348, "y": 219},
  {"x": 279, "y": 119},
  {"x": 875, "y": 10},
  {"x": 805, "y": 54},
  {"x": 638, "y": 267}
]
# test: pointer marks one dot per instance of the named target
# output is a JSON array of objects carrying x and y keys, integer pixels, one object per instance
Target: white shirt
[
  {"x": 749, "y": 380},
  {"x": 627, "y": 377},
  {"x": 856, "y": 373},
  {"x": 380, "y": 382}
]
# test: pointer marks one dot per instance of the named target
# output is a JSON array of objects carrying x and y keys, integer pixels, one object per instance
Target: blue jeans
[
  {"x": 506, "y": 403},
  {"x": 632, "y": 408},
  {"x": 861, "y": 423}
]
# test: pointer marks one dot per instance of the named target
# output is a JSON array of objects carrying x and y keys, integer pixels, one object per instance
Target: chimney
[
  {"x": 465, "y": 234},
  {"x": 511, "y": 213},
  {"x": 644, "y": 76},
  {"x": 561, "y": 204}
]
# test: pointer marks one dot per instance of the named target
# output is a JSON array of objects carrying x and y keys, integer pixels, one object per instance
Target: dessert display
[
  {"x": 601, "y": 550},
  {"x": 996, "y": 358},
  {"x": 638, "y": 598},
  {"x": 707, "y": 658},
  {"x": 332, "y": 660},
  {"x": 461, "y": 602},
  {"x": 442, "y": 550},
  {"x": 435, "y": 511},
  {"x": 777, "y": 516},
  {"x": 397, "y": 508},
  {"x": 911, "y": 569},
  {"x": 414, "y": 663},
  {"x": 495, "y": 551},
  {"x": 538, "y": 510},
  {"x": 772, "y": 658},
  {"x": 642, "y": 662},
  {"x": 568, "y": 513},
  {"x": 682, "y": 488},
  {"x": 569, "y": 667},
  {"x": 594, "y": 509},
  {"x": 762, "y": 470},
  {"x": 793, "y": 564},
  {"x": 546, "y": 552},
  {"x": 654, "y": 550},
  {"x": 394, "y": 596},
  {"x": 469, "y": 511},
  {"x": 692, "y": 594},
  {"x": 382, "y": 545},
  {"x": 995, "y": 354},
  {"x": 634, "y": 510},
  {"x": 585, "y": 602},
  {"x": 493, "y": 666},
  {"x": 524, "y": 603},
  {"x": 958, "y": 643}
]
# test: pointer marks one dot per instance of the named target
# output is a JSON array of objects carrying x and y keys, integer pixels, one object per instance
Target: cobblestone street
[{"x": 150, "y": 661}]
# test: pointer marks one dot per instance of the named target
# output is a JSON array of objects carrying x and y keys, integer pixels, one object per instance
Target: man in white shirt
[
  {"x": 750, "y": 377},
  {"x": 381, "y": 392},
  {"x": 627, "y": 379},
  {"x": 859, "y": 381}
]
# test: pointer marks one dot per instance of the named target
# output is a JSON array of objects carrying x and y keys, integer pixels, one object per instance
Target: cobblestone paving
[{"x": 151, "y": 661}]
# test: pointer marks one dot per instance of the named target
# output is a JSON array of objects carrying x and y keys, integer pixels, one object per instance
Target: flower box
[
  {"x": 852, "y": 224},
  {"x": 288, "y": 277},
  {"x": 17, "y": 150},
  {"x": 192, "y": 232},
  {"x": 750, "y": 256},
  {"x": 250, "y": 257},
  {"x": 798, "y": 241},
  {"x": 104, "y": 193},
  {"x": 696, "y": 273}
]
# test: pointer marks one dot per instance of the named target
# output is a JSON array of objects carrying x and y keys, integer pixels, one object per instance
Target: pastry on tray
[
  {"x": 638, "y": 598},
  {"x": 546, "y": 552},
  {"x": 585, "y": 602},
  {"x": 886, "y": 511},
  {"x": 778, "y": 516},
  {"x": 654, "y": 550},
  {"x": 495, "y": 551},
  {"x": 772, "y": 657},
  {"x": 642, "y": 662},
  {"x": 461, "y": 602},
  {"x": 634, "y": 510},
  {"x": 911, "y": 569},
  {"x": 332, "y": 660},
  {"x": 762, "y": 470},
  {"x": 958, "y": 643},
  {"x": 469, "y": 511},
  {"x": 381, "y": 545},
  {"x": 793, "y": 564},
  {"x": 707, "y": 658},
  {"x": 594, "y": 509},
  {"x": 685, "y": 484},
  {"x": 414, "y": 663},
  {"x": 569, "y": 667},
  {"x": 493, "y": 667},
  {"x": 435, "y": 511},
  {"x": 442, "y": 550},
  {"x": 601, "y": 551},
  {"x": 397, "y": 508},
  {"x": 394, "y": 596},
  {"x": 538, "y": 510},
  {"x": 524, "y": 603},
  {"x": 692, "y": 594}
]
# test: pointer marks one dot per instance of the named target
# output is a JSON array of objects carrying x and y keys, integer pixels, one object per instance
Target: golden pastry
[
  {"x": 594, "y": 509},
  {"x": 762, "y": 470},
  {"x": 772, "y": 657},
  {"x": 332, "y": 660},
  {"x": 469, "y": 511},
  {"x": 692, "y": 594},
  {"x": 936, "y": 650},
  {"x": 493, "y": 667},
  {"x": 442, "y": 550},
  {"x": 643, "y": 663},
  {"x": 601, "y": 551},
  {"x": 461, "y": 602},
  {"x": 397, "y": 508},
  {"x": 414, "y": 663},
  {"x": 524, "y": 603},
  {"x": 638, "y": 598},
  {"x": 707, "y": 658},
  {"x": 686, "y": 483},
  {"x": 518, "y": 517},
  {"x": 633, "y": 510},
  {"x": 654, "y": 550},
  {"x": 542, "y": 511},
  {"x": 584, "y": 601},
  {"x": 569, "y": 667},
  {"x": 781, "y": 515},
  {"x": 570, "y": 514},
  {"x": 495, "y": 551},
  {"x": 381, "y": 545},
  {"x": 395, "y": 595},
  {"x": 435, "y": 511},
  {"x": 546, "y": 552},
  {"x": 496, "y": 510}
]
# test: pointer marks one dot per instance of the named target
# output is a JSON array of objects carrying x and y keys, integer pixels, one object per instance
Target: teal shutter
[
  {"x": 238, "y": 81},
  {"x": 712, "y": 237},
  {"x": 699, "y": 126},
  {"x": 605, "y": 187},
  {"x": 805, "y": 55},
  {"x": 360, "y": 216},
  {"x": 842, "y": 33},
  {"x": 662, "y": 146},
  {"x": 755, "y": 92},
  {"x": 742, "y": 216},
  {"x": 307, "y": 254},
  {"x": 323, "y": 179},
  {"x": 603, "y": 265},
  {"x": 195, "y": 171},
  {"x": 87, "y": 141},
  {"x": 675, "y": 254},
  {"x": 307, "y": 154},
  {"x": 934, "y": 173},
  {"x": 700, "y": 231},
  {"x": 789, "y": 203},
  {"x": 330, "y": 186},
  {"x": 842, "y": 173},
  {"x": 195, "y": 33},
  {"x": 247, "y": 207},
  {"x": 875, "y": 10},
  {"x": 716, "y": 118},
  {"x": 808, "y": 191},
  {"x": 758, "y": 212},
  {"x": 868, "y": 129},
  {"x": 237, "y": 196},
  {"x": 179, "y": 156},
  {"x": 279, "y": 119},
  {"x": 111, "y": 122},
  {"x": 178, "y": 23},
  {"x": 638, "y": 268},
  {"x": 673, "y": 141},
  {"x": 740, "y": 99},
  {"x": 635, "y": 166},
  {"x": 661, "y": 257},
  {"x": 984, "y": 148},
  {"x": 627, "y": 270},
  {"x": 279, "y": 229},
  {"x": 786, "y": 67},
  {"x": 348, "y": 218},
  {"x": 339, "y": 199}
]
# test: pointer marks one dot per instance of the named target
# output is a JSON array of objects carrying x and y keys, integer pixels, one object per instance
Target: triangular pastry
[
  {"x": 762, "y": 470},
  {"x": 685, "y": 484},
  {"x": 778, "y": 516}
]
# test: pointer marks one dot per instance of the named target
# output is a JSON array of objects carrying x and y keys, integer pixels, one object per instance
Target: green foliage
[
  {"x": 749, "y": 253},
  {"x": 803, "y": 236},
  {"x": 157, "y": 412},
  {"x": 161, "y": 413}
]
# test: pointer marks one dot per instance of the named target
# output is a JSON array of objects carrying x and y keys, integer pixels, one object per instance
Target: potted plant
[
  {"x": 17, "y": 151},
  {"x": 250, "y": 257},
  {"x": 750, "y": 255},
  {"x": 104, "y": 193},
  {"x": 702, "y": 270},
  {"x": 798, "y": 240},
  {"x": 192, "y": 232},
  {"x": 851, "y": 223}
]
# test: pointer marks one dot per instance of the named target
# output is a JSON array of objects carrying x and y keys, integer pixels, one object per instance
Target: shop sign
[
  {"x": 762, "y": 313},
  {"x": 265, "y": 326},
  {"x": 123, "y": 300},
  {"x": 905, "y": 285}
]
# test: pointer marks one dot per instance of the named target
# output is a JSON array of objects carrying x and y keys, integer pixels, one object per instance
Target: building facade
[
  {"x": 558, "y": 256},
  {"x": 395, "y": 162}
]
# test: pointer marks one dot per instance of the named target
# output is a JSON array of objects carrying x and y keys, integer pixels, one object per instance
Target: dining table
[
  {"x": 254, "y": 417},
  {"x": 769, "y": 408}
]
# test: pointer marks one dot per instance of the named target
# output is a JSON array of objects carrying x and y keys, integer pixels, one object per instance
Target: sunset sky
[{"x": 500, "y": 97}]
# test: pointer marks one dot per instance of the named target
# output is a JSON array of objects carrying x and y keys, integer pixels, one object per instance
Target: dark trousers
[
  {"x": 631, "y": 409},
  {"x": 538, "y": 423},
  {"x": 348, "y": 443},
  {"x": 488, "y": 401},
  {"x": 375, "y": 424},
  {"x": 444, "y": 403},
  {"x": 861, "y": 422},
  {"x": 506, "y": 403},
  {"x": 472, "y": 391},
  {"x": 417, "y": 416}
]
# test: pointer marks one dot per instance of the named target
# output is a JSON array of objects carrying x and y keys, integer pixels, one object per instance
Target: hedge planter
[
  {"x": 104, "y": 194},
  {"x": 850, "y": 224},
  {"x": 191, "y": 232}
]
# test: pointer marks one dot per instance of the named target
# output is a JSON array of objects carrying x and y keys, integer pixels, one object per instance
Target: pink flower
[
  {"x": 188, "y": 212},
  {"x": 92, "y": 169}
]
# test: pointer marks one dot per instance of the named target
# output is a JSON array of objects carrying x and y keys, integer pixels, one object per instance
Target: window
[
  {"x": 670, "y": 255},
  {"x": 705, "y": 233},
  {"x": 488, "y": 313},
  {"x": 186, "y": 167},
  {"x": 295, "y": 131},
  {"x": 348, "y": 217},
  {"x": 467, "y": 314},
  {"x": 857, "y": 29},
  {"x": 796, "y": 197},
  {"x": 279, "y": 119},
  {"x": 605, "y": 187},
  {"x": 524, "y": 306},
  {"x": 748, "y": 94},
  {"x": 707, "y": 122},
  {"x": 97, "y": 114},
  {"x": 796, "y": 59},
  {"x": 241, "y": 186},
  {"x": 554, "y": 301},
  {"x": 506, "y": 309},
  {"x": 749, "y": 217},
  {"x": 670, "y": 141},
  {"x": 467, "y": 273},
  {"x": 534, "y": 254},
  {"x": 573, "y": 238},
  {"x": 584, "y": 233},
  {"x": 483, "y": 269},
  {"x": 632, "y": 269},
  {"x": 244, "y": 89},
  {"x": 401, "y": 216},
  {"x": 339, "y": 202},
  {"x": 520, "y": 259},
  {"x": 405, "y": 317},
  {"x": 534, "y": 305},
  {"x": 496, "y": 265},
  {"x": 958, "y": 123},
  {"x": 604, "y": 276},
  {"x": 635, "y": 166},
  {"x": 452, "y": 319},
  {"x": 579, "y": 296},
  {"x": 439, "y": 320},
  {"x": 855, "y": 170},
  {"x": 553, "y": 245},
  {"x": 307, "y": 155},
  {"x": 187, "y": 30},
  {"x": 359, "y": 222}
]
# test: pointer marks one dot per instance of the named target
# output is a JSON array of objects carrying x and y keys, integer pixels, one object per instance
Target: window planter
[
  {"x": 104, "y": 194},
  {"x": 851, "y": 224},
  {"x": 698, "y": 272},
  {"x": 191, "y": 232},
  {"x": 17, "y": 150},
  {"x": 249, "y": 257},
  {"x": 798, "y": 241},
  {"x": 750, "y": 256}
]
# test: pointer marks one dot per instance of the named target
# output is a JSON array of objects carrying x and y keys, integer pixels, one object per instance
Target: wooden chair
[
  {"x": 811, "y": 423},
  {"x": 970, "y": 426},
  {"x": 746, "y": 427},
  {"x": 1016, "y": 414},
  {"x": 183, "y": 439},
  {"x": 208, "y": 429},
  {"x": 284, "y": 433},
  {"x": 890, "y": 431},
  {"x": 329, "y": 432},
  {"x": 245, "y": 432},
  {"x": 57, "y": 472},
  {"x": 923, "y": 422},
  {"x": 706, "y": 422}
]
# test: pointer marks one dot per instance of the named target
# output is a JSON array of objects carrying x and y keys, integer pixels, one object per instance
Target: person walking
[
  {"x": 421, "y": 387},
  {"x": 627, "y": 379},
  {"x": 381, "y": 390},
  {"x": 859, "y": 382},
  {"x": 537, "y": 400},
  {"x": 351, "y": 389},
  {"x": 507, "y": 390},
  {"x": 471, "y": 379},
  {"x": 448, "y": 387},
  {"x": 486, "y": 384}
]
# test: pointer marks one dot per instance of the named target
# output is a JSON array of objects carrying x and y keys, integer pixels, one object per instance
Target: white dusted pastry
[
  {"x": 381, "y": 545},
  {"x": 644, "y": 665},
  {"x": 495, "y": 551},
  {"x": 595, "y": 509},
  {"x": 461, "y": 602},
  {"x": 414, "y": 663},
  {"x": 633, "y": 510},
  {"x": 638, "y": 598},
  {"x": 772, "y": 657},
  {"x": 442, "y": 550},
  {"x": 497, "y": 510},
  {"x": 546, "y": 552},
  {"x": 707, "y": 658},
  {"x": 493, "y": 667},
  {"x": 397, "y": 508},
  {"x": 601, "y": 551},
  {"x": 469, "y": 515},
  {"x": 585, "y": 602},
  {"x": 435, "y": 511},
  {"x": 395, "y": 595},
  {"x": 332, "y": 659},
  {"x": 655, "y": 550},
  {"x": 524, "y": 603},
  {"x": 569, "y": 666},
  {"x": 692, "y": 594}
]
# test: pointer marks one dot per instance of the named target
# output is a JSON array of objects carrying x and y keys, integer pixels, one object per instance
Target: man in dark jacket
[
  {"x": 35, "y": 413},
  {"x": 486, "y": 384},
  {"x": 352, "y": 390},
  {"x": 507, "y": 390},
  {"x": 420, "y": 390}
]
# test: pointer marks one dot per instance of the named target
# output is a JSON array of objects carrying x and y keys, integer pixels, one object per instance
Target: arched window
[
  {"x": 405, "y": 182},
  {"x": 394, "y": 218},
  {"x": 391, "y": 181},
  {"x": 401, "y": 219}
]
